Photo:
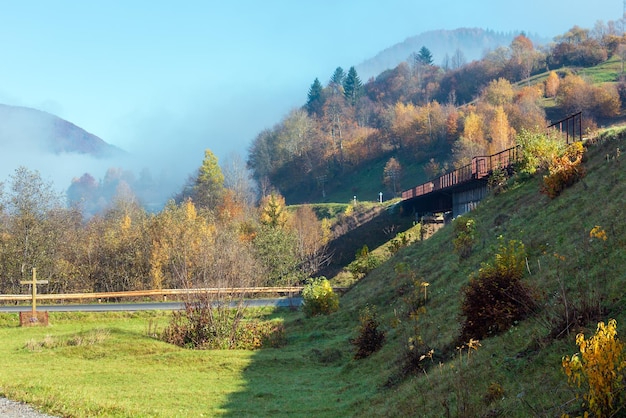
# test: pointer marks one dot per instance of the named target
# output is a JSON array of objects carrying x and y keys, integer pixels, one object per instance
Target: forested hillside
[{"x": 429, "y": 117}]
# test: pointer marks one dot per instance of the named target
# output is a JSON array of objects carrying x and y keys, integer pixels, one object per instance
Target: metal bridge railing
[
  {"x": 483, "y": 166},
  {"x": 480, "y": 167}
]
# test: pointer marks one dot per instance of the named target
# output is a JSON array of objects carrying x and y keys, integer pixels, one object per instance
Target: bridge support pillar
[{"x": 466, "y": 200}]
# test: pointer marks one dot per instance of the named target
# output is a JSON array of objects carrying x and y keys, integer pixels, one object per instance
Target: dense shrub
[
  {"x": 465, "y": 236},
  {"x": 200, "y": 326},
  {"x": 402, "y": 240},
  {"x": 260, "y": 334},
  {"x": 538, "y": 149},
  {"x": 599, "y": 370},
  {"x": 363, "y": 263},
  {"x": 564, "y": 170},
  {"x": 370, "y": 338},
  {"x": 496, "y": 298},
  {"x": 319, "y": 297},
  {"x": 209, "y": 322}
]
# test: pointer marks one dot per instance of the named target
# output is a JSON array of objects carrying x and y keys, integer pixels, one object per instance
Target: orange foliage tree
[
  {"x": 473, "y": 128},
  {"x": 526, "y": 112},
  {"x": 403, "y": 130},
  {"x": 575, "y": 94},
  {"x": 181, "y": 240},
  {"x": 472, "y": 141},
  {"x": 552, "y": 84}
]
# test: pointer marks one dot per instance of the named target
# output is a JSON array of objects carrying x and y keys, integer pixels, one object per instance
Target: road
[{"x": 150, "y": 306}]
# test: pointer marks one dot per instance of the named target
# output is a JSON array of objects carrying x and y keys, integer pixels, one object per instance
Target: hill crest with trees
[
  {"x": 450, "y": 48},
  {"x": 429, "y": 117}
]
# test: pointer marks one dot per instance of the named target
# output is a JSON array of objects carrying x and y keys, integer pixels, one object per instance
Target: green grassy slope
[
  {"x": 365, "y": 182},
  {"x": 524, "y": 362},
  {"x": 517, "y": 373}
]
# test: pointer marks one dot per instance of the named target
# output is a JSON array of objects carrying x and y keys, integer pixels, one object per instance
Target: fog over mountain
[
  {"x": 23, "y": 128},
  {"x": 83, "y": 166},
  {"x": 56, "y": 148}
]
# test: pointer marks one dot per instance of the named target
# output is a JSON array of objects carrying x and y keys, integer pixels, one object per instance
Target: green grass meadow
[
  {"x": 101, "y": 364},
  {"x": 107, "y": 365}
]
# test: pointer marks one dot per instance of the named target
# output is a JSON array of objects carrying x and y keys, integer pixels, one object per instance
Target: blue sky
[{"x": 169, "y": 79}]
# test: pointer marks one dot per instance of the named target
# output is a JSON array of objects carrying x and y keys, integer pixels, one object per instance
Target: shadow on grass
[
  {"x": 306, "y": 377},
  {"x": 376, "y": 229}
]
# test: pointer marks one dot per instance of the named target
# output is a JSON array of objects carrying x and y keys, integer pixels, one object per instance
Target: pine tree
[
  {"x": 352, "y": 87},
  {"x": 208, "y": 187},
  {"x": 336, "y": 81},
  {"x": 315, "y": 99},
  {"x": 424, "y": 56},
  {"x": 273, "y": 213}
]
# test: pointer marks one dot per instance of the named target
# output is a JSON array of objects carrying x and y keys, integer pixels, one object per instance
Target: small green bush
[
  {"x": 363, "y": 263},
  {"x": 402, "y": 240},
  {"x": 319, "y": 297},
  {"x": 497, "y": 182},
  {"x": 370, "y": 338},
  {"x": 465, "y": 236},
  {"x": 496, "y": 298},
  {"x": 538, "y": 149}
]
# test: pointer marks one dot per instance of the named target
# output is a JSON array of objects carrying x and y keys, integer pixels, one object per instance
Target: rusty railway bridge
[{"x": 459, "y": 191}]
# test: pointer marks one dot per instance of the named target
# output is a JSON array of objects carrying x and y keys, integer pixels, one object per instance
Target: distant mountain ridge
[
  {"x": 473, "y": 42},
  {"x": 31, "y": 130}
]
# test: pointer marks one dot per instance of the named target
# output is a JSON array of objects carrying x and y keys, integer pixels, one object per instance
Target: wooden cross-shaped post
[{"x": 34, "y": 282}]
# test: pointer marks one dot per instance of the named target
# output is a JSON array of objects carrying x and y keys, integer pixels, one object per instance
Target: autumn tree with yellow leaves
[{"x": 598, "y": 370}]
